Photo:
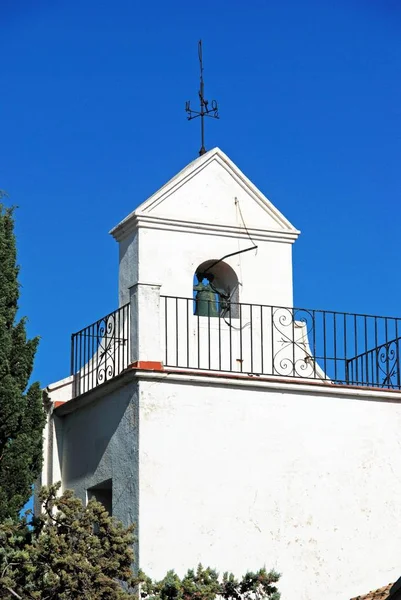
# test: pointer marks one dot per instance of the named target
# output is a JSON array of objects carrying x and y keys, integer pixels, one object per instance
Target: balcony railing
[
  {"x": 252, "y": 339},
  {"x": 100, "y": 351},
  {"x": 343, "y": 348}
]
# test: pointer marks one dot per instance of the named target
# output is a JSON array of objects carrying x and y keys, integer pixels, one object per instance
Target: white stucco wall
[
  {"x": 238, "y": 478},
  {"x": 128, "y": 266},
  {"x": 170, "y": 258},
  {"x": 202, "y": 192},
  {"x": 97, "y": 440}
]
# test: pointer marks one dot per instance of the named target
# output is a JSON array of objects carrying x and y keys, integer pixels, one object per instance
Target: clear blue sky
[{"x": 93, "y": 122}]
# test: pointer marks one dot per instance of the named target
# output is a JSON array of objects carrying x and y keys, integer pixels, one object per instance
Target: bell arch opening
[{"x": 216, "y": 290}]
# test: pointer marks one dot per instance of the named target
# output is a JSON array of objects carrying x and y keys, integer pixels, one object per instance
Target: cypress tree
[{"x": 22, "y": 415}]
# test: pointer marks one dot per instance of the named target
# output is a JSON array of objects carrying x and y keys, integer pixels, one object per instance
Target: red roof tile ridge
[{"x": 379, "y": 594}]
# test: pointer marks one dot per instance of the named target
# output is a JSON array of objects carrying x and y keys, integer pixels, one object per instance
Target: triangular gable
[{"x": 211, "y": 190}]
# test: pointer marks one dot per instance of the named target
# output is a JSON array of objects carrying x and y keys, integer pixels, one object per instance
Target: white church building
[{"x": 234, "y": 429}]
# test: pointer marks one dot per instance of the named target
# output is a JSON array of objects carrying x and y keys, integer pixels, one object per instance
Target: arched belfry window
[{"x": 216, "y": 290}]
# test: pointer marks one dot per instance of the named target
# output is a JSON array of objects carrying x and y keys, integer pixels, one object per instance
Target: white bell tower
[
  {"x": 209, "y": 217},
  {"x": 208, "y": 211}
]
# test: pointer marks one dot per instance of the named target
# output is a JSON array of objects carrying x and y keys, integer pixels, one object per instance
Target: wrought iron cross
[{"x": 205, "y": 110}]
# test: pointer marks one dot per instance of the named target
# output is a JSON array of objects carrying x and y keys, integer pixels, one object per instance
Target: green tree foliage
[
  {"x": 205, "y": 584},
  {"x": 74, "y": 551},
  {"x": 69, "y": 551},
  {"x": 21, "y": 412}
]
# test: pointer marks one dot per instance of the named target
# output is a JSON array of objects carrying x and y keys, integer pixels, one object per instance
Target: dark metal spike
[{"x": 204, "y": 104}]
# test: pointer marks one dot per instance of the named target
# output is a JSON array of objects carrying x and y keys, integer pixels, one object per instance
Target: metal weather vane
[{"x": 205, "y": 110}]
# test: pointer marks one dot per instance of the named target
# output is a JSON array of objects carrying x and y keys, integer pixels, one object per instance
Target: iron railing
[
  {"x": 353, "y": 349},
  {"x": 254, "y": 339},
  {"x": 379, "y": 366},
  {"x": 100, "y": 351}
]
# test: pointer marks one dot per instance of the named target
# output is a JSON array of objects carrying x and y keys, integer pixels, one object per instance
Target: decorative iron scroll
[
  {"x": 107, "y": 344},
  {"x": 378, "y": 367},
  {"x": 293, "y": 329},
  {"x": 101, "y": 350},
  {"x": 388, "y": 362}
]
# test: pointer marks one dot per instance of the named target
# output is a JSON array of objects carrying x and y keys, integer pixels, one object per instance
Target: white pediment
[{"x": 211, "y": 192}]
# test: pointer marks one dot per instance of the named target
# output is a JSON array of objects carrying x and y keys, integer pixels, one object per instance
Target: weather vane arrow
[{"x": 211, "y": 111}]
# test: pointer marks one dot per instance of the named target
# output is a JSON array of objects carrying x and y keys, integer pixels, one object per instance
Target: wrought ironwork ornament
[{"x": 211, "y": 111}]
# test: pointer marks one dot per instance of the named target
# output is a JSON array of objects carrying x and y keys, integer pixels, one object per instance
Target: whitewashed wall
[
  {"x": 239, "y": 478},
  {"x": 170, "y": 258}
]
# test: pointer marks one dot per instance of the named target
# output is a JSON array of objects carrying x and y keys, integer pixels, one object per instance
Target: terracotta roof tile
[{"x": 381, "y": 594}]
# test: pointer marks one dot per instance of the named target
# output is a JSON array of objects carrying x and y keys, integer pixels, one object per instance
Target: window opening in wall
[
  {"x": 103, "y": 493},
  {"x": 216, "y": 290}
]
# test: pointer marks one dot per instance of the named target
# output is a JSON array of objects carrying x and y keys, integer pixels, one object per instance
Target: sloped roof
[
  {"x": 382, "y": 593},
  {"x": 160, "y": 206}
]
